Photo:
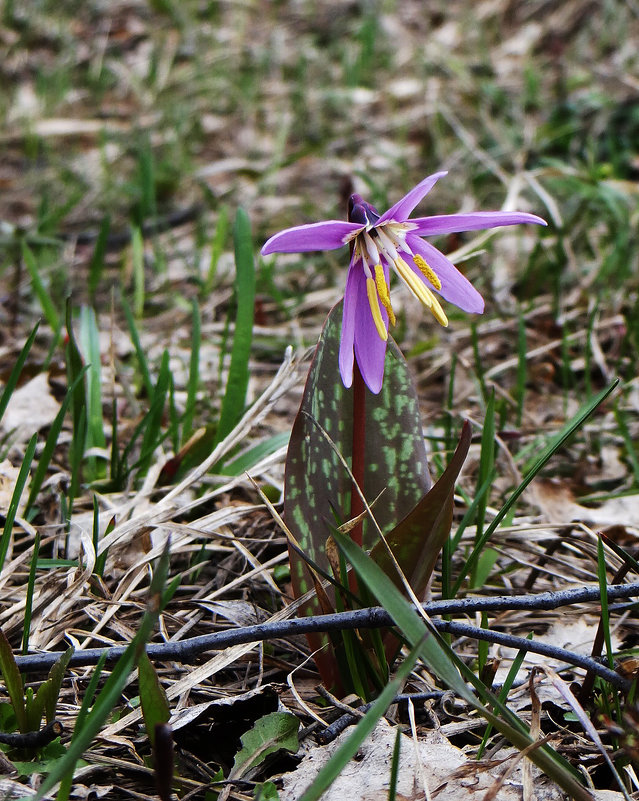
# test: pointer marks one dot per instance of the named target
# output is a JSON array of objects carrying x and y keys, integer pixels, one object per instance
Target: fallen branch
[{"x": 186, "y": 651}]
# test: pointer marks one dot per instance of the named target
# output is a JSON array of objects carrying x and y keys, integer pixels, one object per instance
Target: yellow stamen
[
  {"x": 416, "y": 286},
  {"x": 438, "y": 312},
  {"x": 373, "y": 302},
  {"x": 384, "y": 295},
  {"x": 421, "y": 291},
  {"x": 427, "y": 271}
]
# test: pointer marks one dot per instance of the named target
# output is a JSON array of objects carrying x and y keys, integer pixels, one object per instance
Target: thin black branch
[
  {"x": 543, "y": 648},
  {"x": 186, "y": 651}
]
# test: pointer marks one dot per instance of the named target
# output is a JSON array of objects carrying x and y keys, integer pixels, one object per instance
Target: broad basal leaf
[
  {"x": 417, "y": 540},
  {"x": 318, "y": 487},
  {"x": 317, "y": 493}
]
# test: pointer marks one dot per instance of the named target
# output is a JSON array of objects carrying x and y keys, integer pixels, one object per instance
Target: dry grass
[{"x": 142, "y": 111}]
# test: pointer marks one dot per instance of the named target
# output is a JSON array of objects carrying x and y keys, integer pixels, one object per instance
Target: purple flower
[{"x": 380, "y": 243}]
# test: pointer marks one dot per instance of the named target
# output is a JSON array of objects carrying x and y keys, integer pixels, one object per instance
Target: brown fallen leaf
[{"x": 450, "y": 776}]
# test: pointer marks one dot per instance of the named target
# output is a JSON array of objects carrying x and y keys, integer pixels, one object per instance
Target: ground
[{"x": 133, "y": 132}]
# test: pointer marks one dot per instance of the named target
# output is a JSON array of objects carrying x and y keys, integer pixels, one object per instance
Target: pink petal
[
  {"x": 478, "y": 220},
  {"x": 402, "y": 209},
  {"x": 370, "y": 348},
  {"x": 455, "y": 287},
  {"x": 355, "y": 286},
  {"x": 327, "y": 235}
]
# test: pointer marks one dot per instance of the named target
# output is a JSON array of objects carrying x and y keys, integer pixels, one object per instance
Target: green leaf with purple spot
[{"x": 318, "y": 486}]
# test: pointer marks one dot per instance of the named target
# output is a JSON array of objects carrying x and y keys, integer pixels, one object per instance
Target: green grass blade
[
  {"x": 486, "y": 468},
  {"x": 522, "y": 367},
  {"x": 603, "y": 587},
  {"x": 137, "y": 259},
  {"x": 50, "y": 689},
  {"x": 338, "y": 761},
  {"x": 13, "y": 682},
  {"x": 67, "y": 780},
  {"x": 115, "y": 463},
  {"x": 14, "y": 376},
  {"x": 90, "y": 345},
  {"x": 235, "y": 394},
  {"x": 26, "y": 626},
  {"x": 444, "y": 664},
  {"x": 394, "y": 774},
  {"x": 217, "y": 246},
  {"x": 631, "y": 449},
  {"x": 503, "y": 694},
  {"x": 194, "y": 373},
  {"x": 100, "y": 561},
  {"x": 555, "y": 444},
  {"x": 48, "y": 306},
  {"x": 96, "y": 266},
  {"x": 12, "y": 511},
  {"x": 75, "y": 368},
  {"x": 153, "y": 700},
  {"x": 50, "y": 445},
  {"x": 139, "y": 350},
  {"x": 153, "y": 433},
  {"x": 255, "y": 454},
  {"x": 112, "y": 690},
  {"x": 479, "y": 368}
]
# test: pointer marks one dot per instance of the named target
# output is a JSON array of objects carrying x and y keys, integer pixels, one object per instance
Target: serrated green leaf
[{"x": 274, "y": 732}]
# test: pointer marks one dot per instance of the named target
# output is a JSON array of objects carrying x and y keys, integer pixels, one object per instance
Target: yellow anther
[
  {"x": 413, "y": 283},
  {"x": 421, "y": 291},
  {"x": 383, "y": 293},
  {"x": 373, "y": 302},
  {"x": 427, "y": 271},
  {"x": 438, "y": 312}
]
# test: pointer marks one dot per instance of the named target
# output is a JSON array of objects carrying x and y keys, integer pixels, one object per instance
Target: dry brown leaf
[
  {"x": 558, "y": 504},
  {"x": 449, "y": 775},
  {"x": 31, "y": 408}
]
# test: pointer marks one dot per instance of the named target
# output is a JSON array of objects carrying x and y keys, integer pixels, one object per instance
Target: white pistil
[
  {"x": 387, "y": 245},
  {"x": 371, "y": 249}
]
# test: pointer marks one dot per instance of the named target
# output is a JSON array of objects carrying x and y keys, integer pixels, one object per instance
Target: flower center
[{"x": 386, "y": 244}]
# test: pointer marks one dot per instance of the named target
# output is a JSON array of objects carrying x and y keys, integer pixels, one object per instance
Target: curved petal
[
  {"x": 327, "y": 235},
  {"x": 355, "y": 286},
  {"x": 476, "y": 221},
  {"x": 402, "y": 209},
  {"x": 370, "y": 348},
  {"x": 455, "y": 287}
]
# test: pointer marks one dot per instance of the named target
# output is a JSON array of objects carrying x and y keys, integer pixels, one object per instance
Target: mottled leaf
[
  {"x": 318, "y": 487},
  {"x": 417, "y": 540},
  {"x": 317, "y": 494}
]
